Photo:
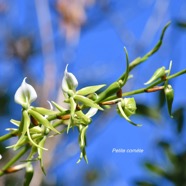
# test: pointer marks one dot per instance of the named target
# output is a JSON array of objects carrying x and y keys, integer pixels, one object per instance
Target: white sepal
[{"x": 25, "y": 94}]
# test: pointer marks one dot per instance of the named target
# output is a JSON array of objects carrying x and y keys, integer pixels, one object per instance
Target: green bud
[
  {"x": 126, "y": 108},
  {"x": 69, "y": 83},
  {"x": 160, "y": 72},
  {"x": 169, "y": 94}
]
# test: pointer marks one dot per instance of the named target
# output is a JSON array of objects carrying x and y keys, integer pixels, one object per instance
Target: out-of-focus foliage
[{"x": 172, "y": 169}]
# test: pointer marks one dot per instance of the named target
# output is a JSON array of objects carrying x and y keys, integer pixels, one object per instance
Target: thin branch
[{"x": 14, "y": 159}]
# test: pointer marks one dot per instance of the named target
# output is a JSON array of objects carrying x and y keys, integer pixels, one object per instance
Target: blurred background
[{"x": 38, "y": 39}]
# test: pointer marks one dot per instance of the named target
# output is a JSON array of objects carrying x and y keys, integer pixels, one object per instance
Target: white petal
[
  {"x": 91, "y": 112},
  {"x": 69, "y": 81},
  {"x": 51, "y": 106},
  {"x": 0, "y": 156},
  {"x": 25, "y": 94}
]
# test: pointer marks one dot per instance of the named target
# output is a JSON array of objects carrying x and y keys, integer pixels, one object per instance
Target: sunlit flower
[
  {"x": 25, "y": 94},
  {"x": 69, "y": 82}
]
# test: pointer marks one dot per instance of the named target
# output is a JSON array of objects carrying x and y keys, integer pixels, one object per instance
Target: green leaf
[
  {"x": 89, "y": 89},
  {"x": 161, "y": 99},
  {"x": 157, "y": 74},
  {"x": 155, "y": 169},
  {"x": 86, "y": 101},
  {"x": 120, "y": 110},
  {"x": 169, "y": 94},
  {"x": 145, "y": 183},
  {"x": 152, "y": 113},
  {"x": 168, "y": 151},
  {"x": 139, "y": 60},
  {"x": 42, "y": 120},
  {"x": 127, "y": 68},
  {"x": 125, "y": 75},
  {"x": 179, "y": 117},
  {"x": 181, "y": 24}
]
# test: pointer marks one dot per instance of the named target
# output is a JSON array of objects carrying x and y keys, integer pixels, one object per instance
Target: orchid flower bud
[
  {"x": 25, "y": 94},
  {"x": 169, "y": 94},
  {"x": 69, "y": 83},
  {"x": 160, "y": 72},
  {"x": 127, "y": 107}
]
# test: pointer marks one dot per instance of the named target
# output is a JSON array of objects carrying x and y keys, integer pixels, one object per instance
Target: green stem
[
  {"x": 53, "y": 117},
  {"x": 139, "y": 60},
  {"x": 142, "y": 90},
  {"x": 114, "y": 87},
  {"x": 13, "y": 160},
  {"x": 9, "y": 135}
]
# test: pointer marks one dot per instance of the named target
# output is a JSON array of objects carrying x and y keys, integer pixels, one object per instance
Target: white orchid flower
[
  {"x": 69, "y": 83},
  {"x": 25, "y": 94}
]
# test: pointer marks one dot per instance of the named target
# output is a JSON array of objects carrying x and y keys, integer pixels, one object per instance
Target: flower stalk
[{"x": 38, "y": 124}]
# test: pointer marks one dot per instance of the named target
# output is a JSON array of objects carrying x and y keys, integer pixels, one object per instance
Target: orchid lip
[{"x": 25, "y": 94}]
